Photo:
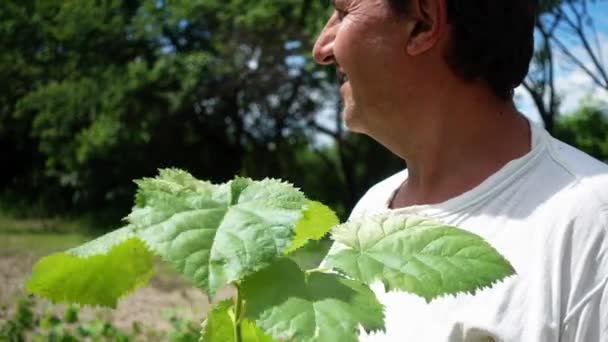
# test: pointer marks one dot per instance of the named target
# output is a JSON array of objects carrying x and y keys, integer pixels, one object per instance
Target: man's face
[{"x": 365, "y": 40}]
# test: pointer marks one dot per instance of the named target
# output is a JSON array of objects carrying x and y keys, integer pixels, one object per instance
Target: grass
[
  {"x": 38, "y": 243},
  {"x": 24, "y": 225},
  {"x": 41, "y": 236}
]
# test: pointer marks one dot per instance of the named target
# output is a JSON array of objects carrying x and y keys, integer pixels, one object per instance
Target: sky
[{"x": 572, "y": 84}]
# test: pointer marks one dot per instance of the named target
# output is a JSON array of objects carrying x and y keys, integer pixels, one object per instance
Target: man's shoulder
[
  {"x": 582, "y": 207},
  {"x": 590, "y": 176},
  {"x": 389, "y": 184},
  {"x": 376, "y": 197},
  {"x": 575, "y": 161}
]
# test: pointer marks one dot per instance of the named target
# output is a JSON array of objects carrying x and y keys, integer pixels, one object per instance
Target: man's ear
[{"x": 428, "y": 22}]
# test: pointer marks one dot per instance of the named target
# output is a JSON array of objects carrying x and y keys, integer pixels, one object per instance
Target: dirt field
[{"x": 165, "y": 291}]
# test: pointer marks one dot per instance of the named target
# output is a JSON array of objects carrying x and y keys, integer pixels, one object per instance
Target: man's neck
[{"x": 457, "y": 149}]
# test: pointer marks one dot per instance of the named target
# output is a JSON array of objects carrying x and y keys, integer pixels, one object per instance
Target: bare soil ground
[{"x": 146, "y": 306}]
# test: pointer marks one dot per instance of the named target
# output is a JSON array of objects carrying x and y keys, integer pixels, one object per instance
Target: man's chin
[
  {"x": 350, "y": 115},
  {"x": 351, "y": 120}
]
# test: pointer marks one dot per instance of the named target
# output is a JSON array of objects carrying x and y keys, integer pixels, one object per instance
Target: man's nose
[{"x": 323, "y": 51}]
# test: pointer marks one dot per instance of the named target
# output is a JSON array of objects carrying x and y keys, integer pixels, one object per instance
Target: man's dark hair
[{"x": 491, "y": 40}]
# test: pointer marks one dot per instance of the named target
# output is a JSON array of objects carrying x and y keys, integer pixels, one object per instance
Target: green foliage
[
  {"x": 315, "y": 222},
  {"x": 30, "y": 324},
  {"x": 182, "y": 330},
  {"x": 100, "y": 93},
  {"x": 71, "y": 315},
  {"x": 586, "y": 129},
  {"x": 251, "y": 332},
  {"x": 213, "y": 234},
  {"x": 23, "y": 320},
  {"x": 253, "y": 235},
  {"x": 312, "y": 306},
  {"x": 92, "y": 104},
  {"x": 311, "y": 255},
  {"x": 72, "y": 276},
  {"x": 416, "y": 255},
  {"x": 220, "y": 326},
  {"x": 216, "y": 234}
]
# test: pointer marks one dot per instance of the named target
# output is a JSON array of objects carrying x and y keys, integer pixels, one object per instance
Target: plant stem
[
  {"x": 238, "y": 305},
  {"x": 318, "y": 269}
]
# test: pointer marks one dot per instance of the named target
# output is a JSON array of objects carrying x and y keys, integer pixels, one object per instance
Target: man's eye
[{"x": 341, "y": 14}]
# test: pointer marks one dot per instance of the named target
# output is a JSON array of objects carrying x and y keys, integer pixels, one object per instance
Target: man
[{"x": 432, "y": 80}]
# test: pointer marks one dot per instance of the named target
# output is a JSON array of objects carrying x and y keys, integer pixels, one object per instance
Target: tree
[
  {"x": 586, "y": 129},
  {"x": 540, "y": 81},
  {"x": 578, "y": 25},
  {"x": 100, "y": 93},
  {"x": 559, "y": 21}
]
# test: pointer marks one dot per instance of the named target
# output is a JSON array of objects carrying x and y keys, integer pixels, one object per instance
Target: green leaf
[
  {"x": 416, "y": 255},
  {"x": 213, "y": 234},
  {"x": 316, "y": 221},
  {"x": 251, "y": 333},
  {"x": 97, "y": 273},
  {"x": 312, "y": 254},
  {"x": 291, "y": 305},
  {"x": 104, "y": 243},
  {"x": 219, "y": 326},
  {"x": 216, "y": 234}
]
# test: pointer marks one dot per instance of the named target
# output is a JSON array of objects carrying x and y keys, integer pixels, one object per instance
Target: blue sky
[
  {"x": 600, "y": 8},
  {"x": 572, "y": 84}
]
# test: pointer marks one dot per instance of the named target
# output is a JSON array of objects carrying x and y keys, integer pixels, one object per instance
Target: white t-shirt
[{"x": 547, "y": 213}]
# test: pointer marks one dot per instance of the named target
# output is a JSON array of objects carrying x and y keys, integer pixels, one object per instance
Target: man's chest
[{"x": 525, "y": 307}]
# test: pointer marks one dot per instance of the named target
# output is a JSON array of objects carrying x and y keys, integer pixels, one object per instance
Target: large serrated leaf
[
  {"x": 75, "y": 276},
  {"x": 291, "y": 305},
  {"x": 316, "y": 221},
  {"x": 416, "y": 255},
  {"x": 219, "y": 326},
  {"x": 213, "y": 234},
  {"x": 216, "y": 234}
]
